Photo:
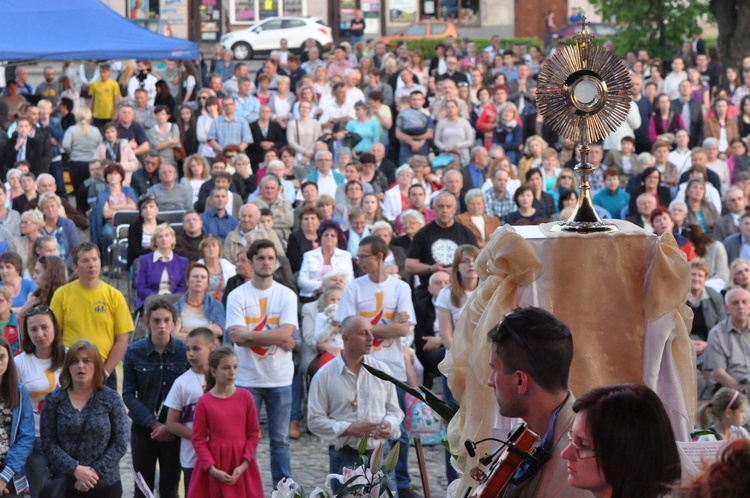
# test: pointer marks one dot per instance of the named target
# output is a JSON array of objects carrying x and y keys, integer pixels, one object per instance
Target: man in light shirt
[
  {"x": 346, "y": 401},
  {"x": 327, "y": 179},
  {"x": 386, "y": 303}
]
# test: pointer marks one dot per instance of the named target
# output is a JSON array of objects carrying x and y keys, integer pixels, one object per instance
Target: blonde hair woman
[
  {"x": 161, "y": 271},
  {"x": 532, "y": 155},
  {"x": 219, "y": 269},
  {"x": 127, "y": 71},
  {"x": 195, "y": 170},
  {"x": 80, "y": 142}
]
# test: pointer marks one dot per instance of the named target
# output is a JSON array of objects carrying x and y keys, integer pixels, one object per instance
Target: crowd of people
[{"x": 329, "y": 213}]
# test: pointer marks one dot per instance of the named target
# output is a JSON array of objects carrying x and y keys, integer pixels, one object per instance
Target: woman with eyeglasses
[
  {"x": 39, "y": 367},
  {"x": 84, "y": 427},
  {"x": 142, "y": 229},
  {"x": 622, "y": 444},
  {"x": 330, "y": 256}
]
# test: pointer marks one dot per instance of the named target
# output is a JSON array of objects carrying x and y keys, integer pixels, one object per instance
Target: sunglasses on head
[{"x": 39, "y": 310}]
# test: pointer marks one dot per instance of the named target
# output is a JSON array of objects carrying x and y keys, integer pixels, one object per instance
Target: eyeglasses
[
  {"x": 147, "y": 197},
  {"x": 582, "y": 451},
  {"x": 363, "y": 256},
  {"x": 39, "y": 310}
]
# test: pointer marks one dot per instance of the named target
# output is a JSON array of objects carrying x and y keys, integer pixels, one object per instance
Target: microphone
[{"x": 470, "y": 445}]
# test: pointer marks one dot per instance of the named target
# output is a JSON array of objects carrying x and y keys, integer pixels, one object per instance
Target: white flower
[
  {"x": 320, "y": 493},
  {"x": 286, "y": 488}
]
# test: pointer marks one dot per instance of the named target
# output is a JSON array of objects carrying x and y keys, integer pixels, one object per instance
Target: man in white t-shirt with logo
[
  {"x": 386, "y": 302},
  {"x": 261, "y": 317}
]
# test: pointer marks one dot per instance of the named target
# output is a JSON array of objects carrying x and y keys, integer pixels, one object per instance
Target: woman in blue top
[
  {"x": 366, "y": 126},
  {"x": 110, "y": 200},
  {"x": 11, "y": 268},
  {"x": 17, "y": 417},
  {"x": 197, "y": 308}
]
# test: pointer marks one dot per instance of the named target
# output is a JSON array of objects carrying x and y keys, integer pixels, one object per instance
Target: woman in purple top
[{"x": 161, "y": 271}]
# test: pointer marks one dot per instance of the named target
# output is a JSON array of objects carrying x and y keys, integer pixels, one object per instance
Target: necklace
[{"x": 191, "y": 304}]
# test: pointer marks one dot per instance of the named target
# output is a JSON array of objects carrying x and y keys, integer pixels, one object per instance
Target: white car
[{"x": 264, "y": 37}]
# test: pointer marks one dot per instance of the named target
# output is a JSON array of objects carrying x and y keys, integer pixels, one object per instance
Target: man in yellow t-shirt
[
  {"x": 88, "y": 308},
  {"x": 104, "y": 94}
]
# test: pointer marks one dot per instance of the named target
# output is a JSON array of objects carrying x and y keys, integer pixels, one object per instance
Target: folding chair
[{"x": 171, "y": 216}]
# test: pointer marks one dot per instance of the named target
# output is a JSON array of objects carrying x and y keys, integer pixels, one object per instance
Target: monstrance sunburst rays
[
  {"x": 584, "y": 94},
  {"x": 588, "y": 65}
]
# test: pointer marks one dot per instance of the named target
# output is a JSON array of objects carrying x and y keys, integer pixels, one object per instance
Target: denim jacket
[
  {"x": 214, "y": 310},
  {"x": 21, "y": 442},
  {"x": 148, "y": 376}
]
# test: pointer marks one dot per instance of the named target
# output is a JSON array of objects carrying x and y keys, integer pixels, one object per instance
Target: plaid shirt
[
  {"x": 228, "y": 132},
  {"x": 498, "y": 207},
  {"x": 596, "y": 180}
]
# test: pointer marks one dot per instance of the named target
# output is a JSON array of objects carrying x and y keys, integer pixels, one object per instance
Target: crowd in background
[{"x": 315, "y": 159}]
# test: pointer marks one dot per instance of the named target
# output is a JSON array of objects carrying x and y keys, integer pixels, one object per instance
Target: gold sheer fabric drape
[{"x": 622, "y": 294}]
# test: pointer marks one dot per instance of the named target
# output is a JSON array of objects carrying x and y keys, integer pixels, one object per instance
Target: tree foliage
[
  {"x": 659, "y": 26},
  {"x": 733, "y": 19}
]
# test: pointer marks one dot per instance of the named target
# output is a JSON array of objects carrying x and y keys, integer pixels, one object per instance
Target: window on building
[
  {"x": 292, "y": 8},
  {"x": 244, "y": 11},
  {"x": 268, "y": 8},
  {"x": 461, "y": 12}
]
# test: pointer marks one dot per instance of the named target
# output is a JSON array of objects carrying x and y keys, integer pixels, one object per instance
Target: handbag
[
  {"x": 179, "y": 152},
  {"x": 57, "y": 487}
]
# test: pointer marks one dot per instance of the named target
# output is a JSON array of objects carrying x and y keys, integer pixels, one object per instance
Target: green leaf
[
  {"x": 362, "y": 445},
  {"x": 392, "y": 458},
  {"x": 447, "y": 447},
  {"x": 364, "y": 461},
  {"x": 350, "y": 490},
  {"x": 657, "y": 26}
]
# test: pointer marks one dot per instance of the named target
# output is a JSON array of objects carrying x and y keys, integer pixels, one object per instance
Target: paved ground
[
  {"x": 310, "y": 466},
  {"x": 309, "y": 458}
]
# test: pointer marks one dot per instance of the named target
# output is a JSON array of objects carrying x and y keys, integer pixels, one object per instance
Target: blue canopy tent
[{"x": 80, "y": 29}]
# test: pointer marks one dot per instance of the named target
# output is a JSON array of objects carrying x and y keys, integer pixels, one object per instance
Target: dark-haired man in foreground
[{"x": 530, "y": 356}]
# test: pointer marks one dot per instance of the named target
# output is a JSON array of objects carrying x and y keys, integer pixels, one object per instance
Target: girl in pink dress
[{"x": 225, "y": 435}]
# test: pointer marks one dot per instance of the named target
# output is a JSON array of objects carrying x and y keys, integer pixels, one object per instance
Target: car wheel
[
  {"x": 320, "y": 48},
  {"x": 242, "y": 51}
]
